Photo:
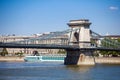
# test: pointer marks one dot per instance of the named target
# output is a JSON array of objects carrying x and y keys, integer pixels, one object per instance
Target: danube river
[{"x": 57, "y": 71}]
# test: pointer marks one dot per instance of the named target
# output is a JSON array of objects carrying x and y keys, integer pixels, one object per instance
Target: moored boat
[{"x": 43, "y": 58}]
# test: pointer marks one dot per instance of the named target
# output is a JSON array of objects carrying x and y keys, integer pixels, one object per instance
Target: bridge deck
[{"x": 53, "y": 46}]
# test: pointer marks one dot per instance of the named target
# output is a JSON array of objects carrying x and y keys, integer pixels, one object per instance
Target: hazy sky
[{"x": 26, "y": 17}]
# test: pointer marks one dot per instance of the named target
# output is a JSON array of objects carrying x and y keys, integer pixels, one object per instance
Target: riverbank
[
  {"x": 107, "y": 60},
  {"x": 101, "y": 60},
  {"x": 11, "y": 59}
]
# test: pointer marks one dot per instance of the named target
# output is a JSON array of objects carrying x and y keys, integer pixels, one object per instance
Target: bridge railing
[
  {"x": 105, "y": 42},
  {"x": 59, "y": 38},
  {"x": 110, "y": 43}
]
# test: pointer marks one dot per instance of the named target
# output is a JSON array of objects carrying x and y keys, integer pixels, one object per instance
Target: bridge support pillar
[
  {"x": 76, "y": 57},
  {"x": 79, "y": 37}
]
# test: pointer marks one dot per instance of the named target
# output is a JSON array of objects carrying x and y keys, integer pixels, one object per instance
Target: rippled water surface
[{"x": 57, "y": 71}]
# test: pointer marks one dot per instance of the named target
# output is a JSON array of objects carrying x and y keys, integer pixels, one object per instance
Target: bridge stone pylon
[
  {"x": 79, "y": 37},
  {"x": 80, "y": 34}
]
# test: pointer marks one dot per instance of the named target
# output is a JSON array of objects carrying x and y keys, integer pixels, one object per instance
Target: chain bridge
[
  {"x": 109, "y": 44},
  {"x": 80, "y": 41}
]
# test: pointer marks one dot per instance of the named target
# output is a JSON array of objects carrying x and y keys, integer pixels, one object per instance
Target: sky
[{"x": 27, "y": 17}]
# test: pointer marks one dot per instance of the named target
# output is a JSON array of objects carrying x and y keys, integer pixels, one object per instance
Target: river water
[{"x": 57, "y": 71}]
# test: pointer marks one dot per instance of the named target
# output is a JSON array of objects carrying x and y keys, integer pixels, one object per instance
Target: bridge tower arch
[
  {"x": 80, "y": 34},
  {"x": 79, "y": 37}
]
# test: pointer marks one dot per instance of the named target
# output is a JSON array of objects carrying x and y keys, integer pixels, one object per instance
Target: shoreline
[
  {"x": 107, "y": 60},
  {"x": 98, "y": 60},
  {"x": 11, "y": 59}
]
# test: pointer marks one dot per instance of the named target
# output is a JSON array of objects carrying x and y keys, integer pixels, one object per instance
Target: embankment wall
[
  {"x": 109, "y": 60},
  {"x": 11, "y": 59}
]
